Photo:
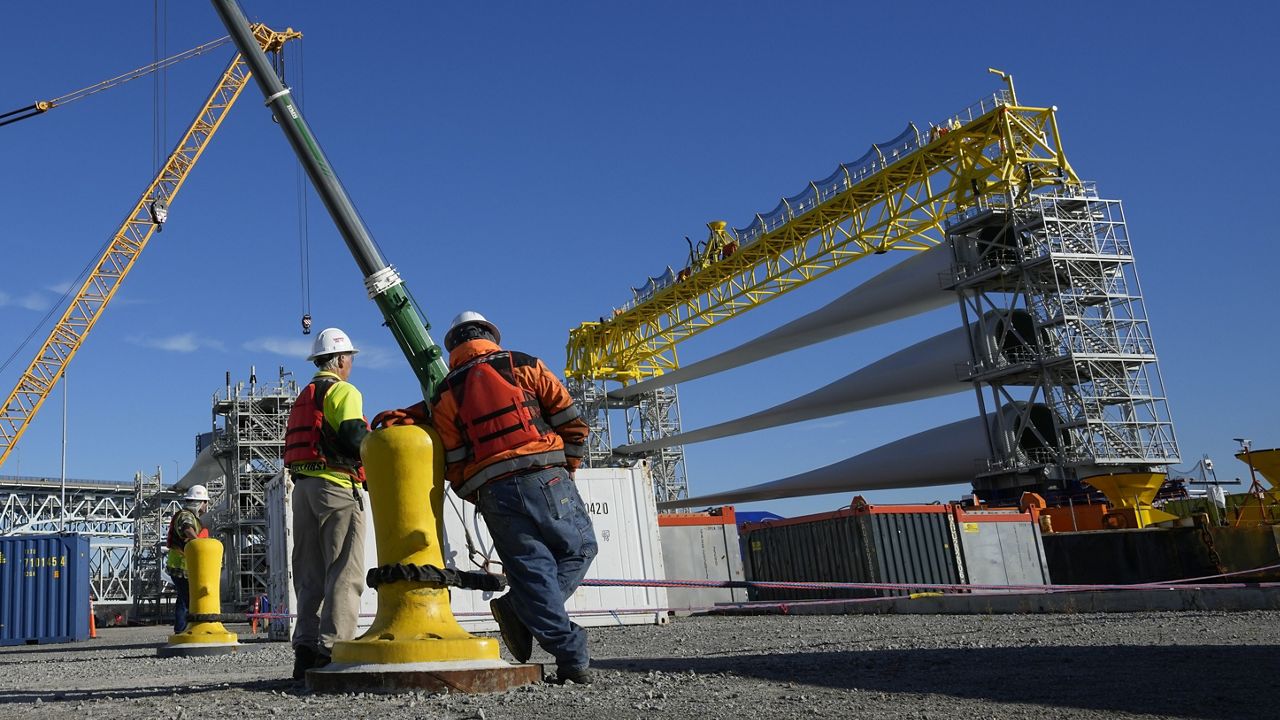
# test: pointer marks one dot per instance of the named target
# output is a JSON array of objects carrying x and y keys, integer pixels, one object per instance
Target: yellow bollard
[
  {"x": 204, "y": 567},
  {"x": 414, "y": 624}
]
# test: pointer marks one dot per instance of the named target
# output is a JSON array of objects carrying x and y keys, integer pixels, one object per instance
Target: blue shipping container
[{"x": 44, "y": 588}]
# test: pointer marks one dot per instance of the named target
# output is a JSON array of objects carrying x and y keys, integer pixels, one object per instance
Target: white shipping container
[{"x": 619, "y": 500}]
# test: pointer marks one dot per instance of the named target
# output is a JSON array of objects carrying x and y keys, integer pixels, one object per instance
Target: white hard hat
[
  {"x": 331, "y": 341},
  {"x": 197, "y": 492},
  {"x": 470, "y": 317}
]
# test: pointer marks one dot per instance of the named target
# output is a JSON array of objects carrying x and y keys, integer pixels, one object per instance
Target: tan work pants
[{"x": 328, "y": 562}]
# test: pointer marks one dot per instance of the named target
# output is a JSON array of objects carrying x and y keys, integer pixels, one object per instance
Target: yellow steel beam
[
  {"x": 68, "y": 334},
  {"x": 1006, "y": 150}
]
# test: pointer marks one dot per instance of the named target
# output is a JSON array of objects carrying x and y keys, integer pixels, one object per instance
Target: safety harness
[
  {"x": 310, "y": 442},
  {"x": 495, "y": 415}
]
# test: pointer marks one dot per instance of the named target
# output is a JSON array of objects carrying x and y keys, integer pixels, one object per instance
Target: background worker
[
  {"x": 184, "y": 526},
  {"x": 322, "y": 452},
  {"x": 512, "y": 439}
]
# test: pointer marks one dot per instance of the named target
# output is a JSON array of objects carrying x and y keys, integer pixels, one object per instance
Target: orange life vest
[
  {"x": 494, "y": 414},
  {"x": 310, "y": 443}
]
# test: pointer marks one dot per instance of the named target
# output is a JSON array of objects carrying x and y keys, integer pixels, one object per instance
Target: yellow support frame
[
  {"x": 122, "y": 252},
  {"x": 1009, "y": 150}
]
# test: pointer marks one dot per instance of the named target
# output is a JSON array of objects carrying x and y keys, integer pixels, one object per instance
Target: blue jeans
[
  {"x": 544, "y": 537},
  {"x": 181, "y": 603}
]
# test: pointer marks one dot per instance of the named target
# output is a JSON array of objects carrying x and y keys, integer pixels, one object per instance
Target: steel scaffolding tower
[
  {"x": 249, "y": 427},
  {"x": 594, "y": 403},
  {"x": 153, "y": 507},
  {"x": 654, "y": 415},
  {"x": 1087, "y": 386},
  {"x": 647, "y": 416}
]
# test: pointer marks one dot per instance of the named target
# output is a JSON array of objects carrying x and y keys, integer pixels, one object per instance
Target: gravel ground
[{"x": 1184, "y": 665}]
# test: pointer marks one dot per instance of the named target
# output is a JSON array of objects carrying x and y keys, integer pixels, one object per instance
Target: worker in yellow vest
[
  {"x": 184, "y": 526},
  {"x": 322, "y": 451}
]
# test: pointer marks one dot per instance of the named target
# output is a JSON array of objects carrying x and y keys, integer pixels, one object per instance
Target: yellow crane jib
[
  {"x": 897, "y": 196},
  {"x": 111, "y": 267}
]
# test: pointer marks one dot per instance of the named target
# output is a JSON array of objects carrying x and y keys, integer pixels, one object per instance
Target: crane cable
[
  {"x": 159, "y": 83},
  {"x": 60, "y": 304},
  {"x": 159, "y": 41},
  {"x": 304, "y": 238},
  {"x": 42, "y": 106}
]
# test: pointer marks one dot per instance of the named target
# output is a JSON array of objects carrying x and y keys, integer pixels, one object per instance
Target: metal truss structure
[
  {"x": 898, "y": 196},
  {"x": 127, "y": 522},
  {"x": 594, "y": 403},
  {"x": 102, "y": 510},
  {"x": 249, "y": 427},
  {"x": 655, "y": 415},
  {"x": 646, "y": 416},
  {"x": 1085, "y": 384},
  {"x": 153, "y": 507},
  {"x": 122, "y": 252}
]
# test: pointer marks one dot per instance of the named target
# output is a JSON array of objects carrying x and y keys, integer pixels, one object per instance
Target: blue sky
[{"x": 535, "y": 160}]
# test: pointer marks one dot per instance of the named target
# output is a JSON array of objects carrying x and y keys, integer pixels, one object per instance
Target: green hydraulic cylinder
[{"x": 381, "y": 280}]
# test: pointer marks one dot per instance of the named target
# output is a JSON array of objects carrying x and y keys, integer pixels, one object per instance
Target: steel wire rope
[
  {"x": 137, "y": 72},
  {"x": 159, "y": 81},
  {"x": 158, "y": 67},
  {"x": 44, "y": 106},
  {"x": 304, "y": 237},
  {"x": 61, "y": 302},
  {"x": 487, "y": 555}
]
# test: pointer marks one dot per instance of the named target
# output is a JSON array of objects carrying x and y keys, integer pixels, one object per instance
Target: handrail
[{"x": 844, "y": 177}]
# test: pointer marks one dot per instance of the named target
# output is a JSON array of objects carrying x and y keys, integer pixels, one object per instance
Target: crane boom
[
  {"x": 122, "y": 251},
  {"x": 406, "y": 322}
]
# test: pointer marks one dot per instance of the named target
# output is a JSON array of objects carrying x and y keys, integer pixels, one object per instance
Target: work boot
[
  {"x": 304, "y": 658},
  {"x": 581, "y": 676},
  {"x": 514, "y": 633}
]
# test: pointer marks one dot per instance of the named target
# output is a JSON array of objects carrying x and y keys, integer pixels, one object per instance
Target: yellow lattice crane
[
  {"x": 147, "y": 215},
  {"x": 897, "y": 197}
]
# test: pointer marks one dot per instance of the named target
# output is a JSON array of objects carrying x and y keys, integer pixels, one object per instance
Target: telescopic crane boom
[
  {"x": 380, "y": 279},
  {"x": 126, "y": 245}
]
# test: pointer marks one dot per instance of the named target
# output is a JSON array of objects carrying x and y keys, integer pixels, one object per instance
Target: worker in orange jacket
[{"x": 512, "y": 439}]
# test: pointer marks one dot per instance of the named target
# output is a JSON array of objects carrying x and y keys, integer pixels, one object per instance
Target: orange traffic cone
[{"x": 93, "y": 623}]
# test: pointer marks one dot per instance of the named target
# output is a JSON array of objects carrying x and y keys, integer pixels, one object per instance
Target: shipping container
[
  {"x": 1002, "y": 547},
  {"x": 619, "y": 500},
  {"x": 861, "y": 543},
  {"x": 701, "y": 546},
  {"x": 44, "y": 589}
]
